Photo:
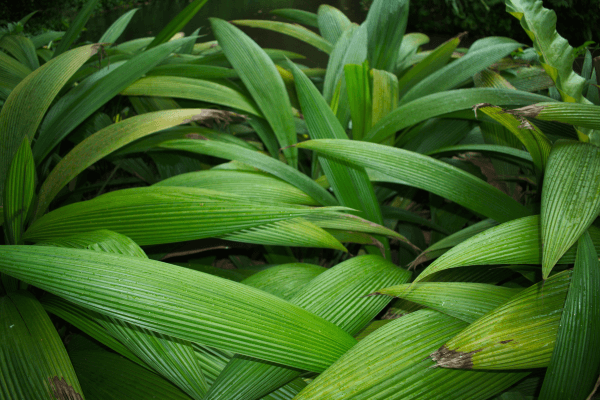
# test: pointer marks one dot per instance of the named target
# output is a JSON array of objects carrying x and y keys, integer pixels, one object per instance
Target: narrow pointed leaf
[
  {"x": 101, "y": 240},
  {"x": 25, "y": 107},
  {"x": 294, "y": 30},
  {"x": 513, "y": 242},
  {"x": 193, "y": 71},
  {"x": 517, "y": 335},
  {"x": 385, "y": 94},
  {"x": 252, "y": 185},
  {"x": 293, "y": 232},
  {"x": 116, "y": 29},
  {"x": 391, "y": 364},
  {"x": 437, "y": 104},
  {"x": 432, "y": 63},
  {"x": 425, "y": 173},
  {"x": 332, "y": 23},
  {"x": 257, "y": 160},
  {"x": 465, "y": 301},
  {"x": 350, "y": 184},
  {"x": 177, "y": 24},
  {"x": 386, "y": 24},
  {"x": 358, "y": 82},
  {"x": 185, "y": 214},
  {"x": 201, "y": 307},
  {"x": 571, "y": 370},
  {"x": 109, "y": 139},
  {"x": 19, "y": 193},
  {"x": 22, "y": 48},
  {"x": 570, "y": 197},
  {"x": 262, "y": 80},
  {"x": 75, "y": 27},
  {"x": 462, "y": 69},
  {"x": 298, "y": 16},
  {"x": 34, "y": 363},
  {"x": 192, "y": 89},
  {"x": 84, "y": 100}
]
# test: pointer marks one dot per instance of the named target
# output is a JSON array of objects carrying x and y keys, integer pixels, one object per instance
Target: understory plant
[{"x": 215, "y": 220}]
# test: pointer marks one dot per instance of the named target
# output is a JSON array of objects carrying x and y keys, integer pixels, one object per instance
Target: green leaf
[
  {"x": 256, "y": 160},
  {"x": 449, "y": 101},
  {"x": 332, "y": 23},
  {"x": 12, "y": 70},
  {"x": 101, "y": 240},
  {"x": 75, "y": 27},
  {"x": 513, "y": 242},
  {"x": 530, "y": 135},
  {"x": 570, "y": 198},
  {"x": 425, "y": 173},
  {"x": 284, "y": 280},
  {"x": 574, "y": 360},
  {"x": 465, "y": 301},
  {"x": 350, "y": 184},
  {"x": 556, "y": 56},
  {"x": 334, "y": 295},
  {"x": 193, "y": 71},
  {"x": 87, "y": 321},
  {"x": 25, "y": 107},
  {"x": 293, "y": 232},
  {"x": 462, "y": 69},
  {"x": 177, "y": 23},
  {"x": 584, "y": 115},
  {"x": 519, "y": 334},
  {"x": 432, "y": 63},
  {"x": 299, "y": 16},
  {"x": 45, "y": 38},
  {"x": 109, "y": 139},
  {"x": 492, "y": 150},
  {"x": 22, "y": 49},
  {"x": 399, "y": 214},
  {"x": 294, "y": 30},
  {"x": 200, "y": 307},
  {"x": 186, "y": 214},
  {"x": 386, "y": 24},
  {"x": 385, "y": 95},
  {"x": 115, "y": 30},
  {"x": 85, "y": 99},
  {"x": 252, "y": 185},
  {"x": 391, "y": 363},
  {"x": 107, "y": 376},
  {"x": 262, "y": 80},
  {"x": 172, "y": 358},
  {"x": 33, "y": 363},
  {"x": 358, "y": 82},
  {"x": 193, "y": 89},
  {"x": 411, "y": 44},
  {"x": 19, "y": 193}
]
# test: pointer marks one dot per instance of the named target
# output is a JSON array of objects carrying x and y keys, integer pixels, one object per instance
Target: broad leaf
[
  {"x": 392, "y": 364},
  {"x": 425, "y": 173},
  {"x": 33, "y": 362},
  {"x": 570, "y": 198},
  {"x": 299, "y": 16},
  {"x": 386, "y": 24},
  {"x": 284, "y": 280},
  {"x": 519, "y": 334},
  {"x": 585, "y": 115},
  {"x": 332, "y": 23},
  {"x": 200, "y": 307},
  {"x": 75, "y": 27},
  {"x": 574, "y": 360},
  {"x": 185, "y": 214}
]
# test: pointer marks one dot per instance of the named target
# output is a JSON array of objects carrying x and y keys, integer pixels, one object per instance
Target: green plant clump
[{"x": 215, "y": 220}]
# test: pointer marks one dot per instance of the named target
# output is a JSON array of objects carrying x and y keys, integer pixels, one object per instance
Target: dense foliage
[{"x": 215, "y": 220}]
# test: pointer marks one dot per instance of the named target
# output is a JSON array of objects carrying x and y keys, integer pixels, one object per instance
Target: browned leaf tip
[
  {"x": 62, "y": 390},
  {"x": 531, "y": 111},
  {"x": 196, "y": 136},
  {"x": 418, "y": 261},
  {"x": 446, "y": 358},
  {"x": 478, "y": 106},
  {"x": 219, "y": 116},
  {"x": 370, "y": 294},
  {"x": 506, "y": 341}
]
